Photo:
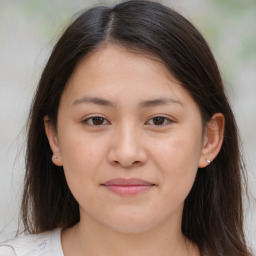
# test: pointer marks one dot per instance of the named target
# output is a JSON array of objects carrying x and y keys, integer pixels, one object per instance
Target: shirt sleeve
[
  {"x": 7, "y": 251},
  {"x": 43, "y": 244}
]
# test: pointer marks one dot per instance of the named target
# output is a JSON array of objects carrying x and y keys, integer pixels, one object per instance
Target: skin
[{"x": 128, "y": 141}]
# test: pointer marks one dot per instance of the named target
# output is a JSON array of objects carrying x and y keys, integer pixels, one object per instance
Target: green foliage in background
[
  {"x": 230, "y": 28},
  {"x": 228, "y": 25}
]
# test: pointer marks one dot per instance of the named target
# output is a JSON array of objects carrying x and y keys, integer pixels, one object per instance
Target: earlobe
[
  {"x": 53, "y": 141},
  {"x": 213, "y": 139}
]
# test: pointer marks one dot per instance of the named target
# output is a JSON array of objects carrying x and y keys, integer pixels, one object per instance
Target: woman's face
[{"x": 130, "y": 140}]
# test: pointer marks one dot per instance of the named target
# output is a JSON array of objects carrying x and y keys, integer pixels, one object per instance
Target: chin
[
  {"x": 130, "y": 229},
  {"x": 130, "y": 225}
]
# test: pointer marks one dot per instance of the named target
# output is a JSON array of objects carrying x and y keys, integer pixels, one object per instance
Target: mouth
[{"x": 128, "y": 186}]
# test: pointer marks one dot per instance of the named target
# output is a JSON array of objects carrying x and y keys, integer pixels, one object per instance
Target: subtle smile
[{"x": 128, "y": 186}]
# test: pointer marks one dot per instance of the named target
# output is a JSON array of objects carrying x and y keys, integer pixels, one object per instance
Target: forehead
[
  {"x": 114, "y": 71},
  {"x": 114, "y": 59}
]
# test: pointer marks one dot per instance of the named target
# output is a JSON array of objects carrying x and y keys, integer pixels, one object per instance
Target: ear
[
  {"x": 213, "y": 138},
  {"x": 53, "y": 141}
]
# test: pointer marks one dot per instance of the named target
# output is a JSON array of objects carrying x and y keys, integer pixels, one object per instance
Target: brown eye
[
  {"x": 159, "y": 121},
  {"x": 96, "y": 120}
]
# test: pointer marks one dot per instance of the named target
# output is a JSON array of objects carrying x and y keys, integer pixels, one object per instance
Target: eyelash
[
  {"x": 90, "y": 120},
  {"x": 165, "y": 120}
]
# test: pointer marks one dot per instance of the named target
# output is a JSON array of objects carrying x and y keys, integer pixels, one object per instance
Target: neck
[{"x": 92, "y": 239}]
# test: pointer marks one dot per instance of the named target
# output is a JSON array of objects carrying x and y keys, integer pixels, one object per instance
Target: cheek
[
  {"x": 80, "y": 160},
  {"x": 80, "y": 156},
  {"x": 76, "y": 146},
  {"x": 178, "y": 159},
  {"x": 179, "y": 152}
]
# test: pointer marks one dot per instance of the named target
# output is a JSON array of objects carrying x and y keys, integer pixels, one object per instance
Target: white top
[{"x": 44, "y": 244}]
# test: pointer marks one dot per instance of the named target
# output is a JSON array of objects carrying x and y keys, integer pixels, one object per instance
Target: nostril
[
  {"x": 116, "y": 162},
  {"x": 125, "y": 157},
  {"x": 127, "y": 165}
]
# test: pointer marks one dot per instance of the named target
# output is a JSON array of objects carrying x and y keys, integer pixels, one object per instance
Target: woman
[{"x": 132, "y": 146}]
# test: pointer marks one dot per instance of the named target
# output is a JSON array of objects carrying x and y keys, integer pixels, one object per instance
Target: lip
[{"x": 130, "y": 186}]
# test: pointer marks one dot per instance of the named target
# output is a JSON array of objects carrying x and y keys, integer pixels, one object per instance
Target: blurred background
[{"x": 28, "y": 31}]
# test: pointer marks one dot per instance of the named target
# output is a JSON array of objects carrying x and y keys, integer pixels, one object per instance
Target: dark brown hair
[{"x": 213, "y": 214}]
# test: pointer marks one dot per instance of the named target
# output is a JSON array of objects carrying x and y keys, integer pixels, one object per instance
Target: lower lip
[{"x": 128, "y": 190}]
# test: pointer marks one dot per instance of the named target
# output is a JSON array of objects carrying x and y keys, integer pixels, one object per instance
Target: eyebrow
[
  {"x": 95, "y": 100},
  {"x": 143, "y": 104},
  {"x": 160, "y": 101}
]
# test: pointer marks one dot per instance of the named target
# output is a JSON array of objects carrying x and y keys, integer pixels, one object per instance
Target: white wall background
[{"x": 28, "y": 30}]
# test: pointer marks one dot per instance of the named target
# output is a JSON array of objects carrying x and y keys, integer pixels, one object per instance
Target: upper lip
[{"x": 127, "y": 182}]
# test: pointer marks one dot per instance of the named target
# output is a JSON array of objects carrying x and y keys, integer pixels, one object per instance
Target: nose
[{"x": 127, "y": 148}]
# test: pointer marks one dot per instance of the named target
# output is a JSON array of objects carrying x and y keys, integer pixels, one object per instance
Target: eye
[
  {"x": 159, "y": 121},
  {"x": 96, "y": 121}
]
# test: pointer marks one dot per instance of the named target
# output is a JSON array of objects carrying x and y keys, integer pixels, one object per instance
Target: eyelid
[
  {"x": 85, "y": 120},
  {"x": 88, "y": 121},
  {"x": 168, "y": 119}
]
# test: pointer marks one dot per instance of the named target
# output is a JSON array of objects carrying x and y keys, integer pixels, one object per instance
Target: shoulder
[{"x": 43, "y": 244}]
